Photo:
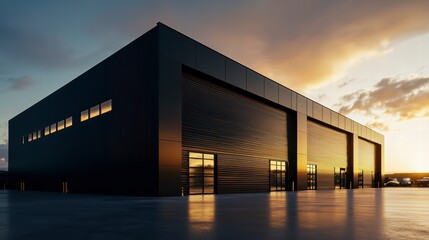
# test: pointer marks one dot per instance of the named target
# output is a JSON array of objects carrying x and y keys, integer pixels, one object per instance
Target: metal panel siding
[
  {"x": 235, "y": 74},
  {"x": 271, "y": 89},
  {"x": 255, "y": 83},
  {"x": 244, "y": 134},
  {"x": 366, "y": 161},
  {"x": 328, "y": 149}
]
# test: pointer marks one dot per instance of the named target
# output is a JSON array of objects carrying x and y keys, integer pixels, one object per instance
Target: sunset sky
[{"x": 366, "y": 59}]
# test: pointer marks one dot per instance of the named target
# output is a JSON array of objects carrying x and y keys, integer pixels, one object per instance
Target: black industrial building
[{"x": 166, "y": 115}]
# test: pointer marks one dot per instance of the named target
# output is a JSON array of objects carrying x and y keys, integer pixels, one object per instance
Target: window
[
  {"x": 106, "y": 106},
  {"x": 34, "y": 136},
  {"x": 311, "y": 176},
  {"x": 30, "y": 137},
  {"x": 84, "y": 115},
  {"x": 340, "y": 177},
  {"x": 53, "y": 128},
  {"x": 61, "y": 125},
  {"x": 360, "y": 178},
  {"x": 201, "y": 173},
  {"x": 278, "y": 175},
  {"x": 39, "y": 134},
  {"x": 94, "y": 111},
  {"x": 23, "y": 140},
  {"x": 69, "y": 122},
  {"x": 46, "y": 130}
]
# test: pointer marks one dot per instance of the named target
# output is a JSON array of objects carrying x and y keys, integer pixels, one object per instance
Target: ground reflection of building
[
  {"x": 201, "y": 212},
  {"x": 277, "y": 210},
  {"x": 322, "y": 215}
]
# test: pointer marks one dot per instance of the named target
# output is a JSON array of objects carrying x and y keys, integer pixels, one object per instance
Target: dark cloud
[
  {"x": 298, "y": 43},
  {"x": 17, "y": 83},
  {"x": 401, "y": 99}
]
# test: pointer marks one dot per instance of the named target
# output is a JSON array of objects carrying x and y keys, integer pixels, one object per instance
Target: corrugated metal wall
[
  {"x": 327, "y": 149},
  {"x": 366, "y": 161},
  {"x": 244, "y": 134}
]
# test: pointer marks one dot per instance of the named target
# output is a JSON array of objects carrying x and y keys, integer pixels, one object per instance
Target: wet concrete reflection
[
  {"x": 277, "y": 210},
  {"x": 201, "y": 212},
  {"x": 332, "y": 214}
]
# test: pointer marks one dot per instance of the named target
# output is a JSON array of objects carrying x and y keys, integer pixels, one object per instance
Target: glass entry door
[
  {"x": 278, "y": 170},
  {"x": 311, "y": 176},
  {"x": 340, "y": 178},
  {"x": 201, "y": 173}
]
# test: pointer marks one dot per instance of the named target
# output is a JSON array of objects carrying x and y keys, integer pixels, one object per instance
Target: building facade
[{"x": 166, "y": 115}]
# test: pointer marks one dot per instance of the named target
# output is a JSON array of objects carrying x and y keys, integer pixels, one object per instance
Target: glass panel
[
  {"x": 195, "y": 171},
  {"x": 195, "y": 181},
  {"x": 208, "y": 180},
  {"x": 209, "y": 156},
  {"x": 47, "y": 130},
  {"x": 30, "y": 137},
  {"x": 201, "y": 173},
  {"x": 61, "y": 125},
  {"x": 195, "y": 162},
  {"x": 195, "y": 190},
  {"x": 209, "y": 172},
  {"x": 106, "y": 106},
  {"x": 84, "y": 115},
  {"x": 69, "y": 122},
  {"x": 208, "y": 163},
  {"x": 53, "y": 128},
  {"x": 23, "y": 140},
  {"x": 195, "y": 155},
  {"x": 34, "y": 135},
  {"x": 208, "y": 189},
  {"x": 39, "y": 134},
  {"x": 94, "y": 111}
]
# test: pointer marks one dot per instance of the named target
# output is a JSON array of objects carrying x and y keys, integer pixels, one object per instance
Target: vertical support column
[
  {"x": 301, "y": 177},
  {"x": 353, "y": 160},
  {"x": 379, "y": 164},
  {"x": 169, "y": 113}
]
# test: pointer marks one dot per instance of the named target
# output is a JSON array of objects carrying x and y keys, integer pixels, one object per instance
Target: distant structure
[{"x": 166, "y": 115}]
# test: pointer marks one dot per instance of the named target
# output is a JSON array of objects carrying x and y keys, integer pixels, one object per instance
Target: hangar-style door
[
  {"x": 327, "y": 149},
  {"x": 244, "y": 134}
]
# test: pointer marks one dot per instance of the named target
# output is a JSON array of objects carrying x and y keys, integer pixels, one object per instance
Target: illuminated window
[
  {"x": 61, "y": 125},
  {"x": 311, "y": 176},
  {"x": 69, "y": 122},
  {"x": 94, "y": 111},
  {"x": 30, "y": 137},
  {"x": 53, "y": 128},
  {"x": 46, "y": 130},
  {"x": 201, "y": 173},
  {"x": 278, "y": 176},
  {"x": 34, "y": 135},
  {"x": 39, "y": 134},
  {"x": 23, "y": 140},
  {"x": 84, "y": 115},
  {"x": 106, "y": 106}
]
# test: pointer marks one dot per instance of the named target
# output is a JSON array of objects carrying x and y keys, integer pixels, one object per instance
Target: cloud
[
  {"x": 32, "y": 47},
  {"x": 306, "y": 43},
  {"x": 298, "y": 43},
  {"x": 18, "y": 83},
  {"x": 378, "y": 125},
  {"x": 400, "y": 99},
  {"x": 301, "y": 44},
  {"x": 347, "y": 82}
]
